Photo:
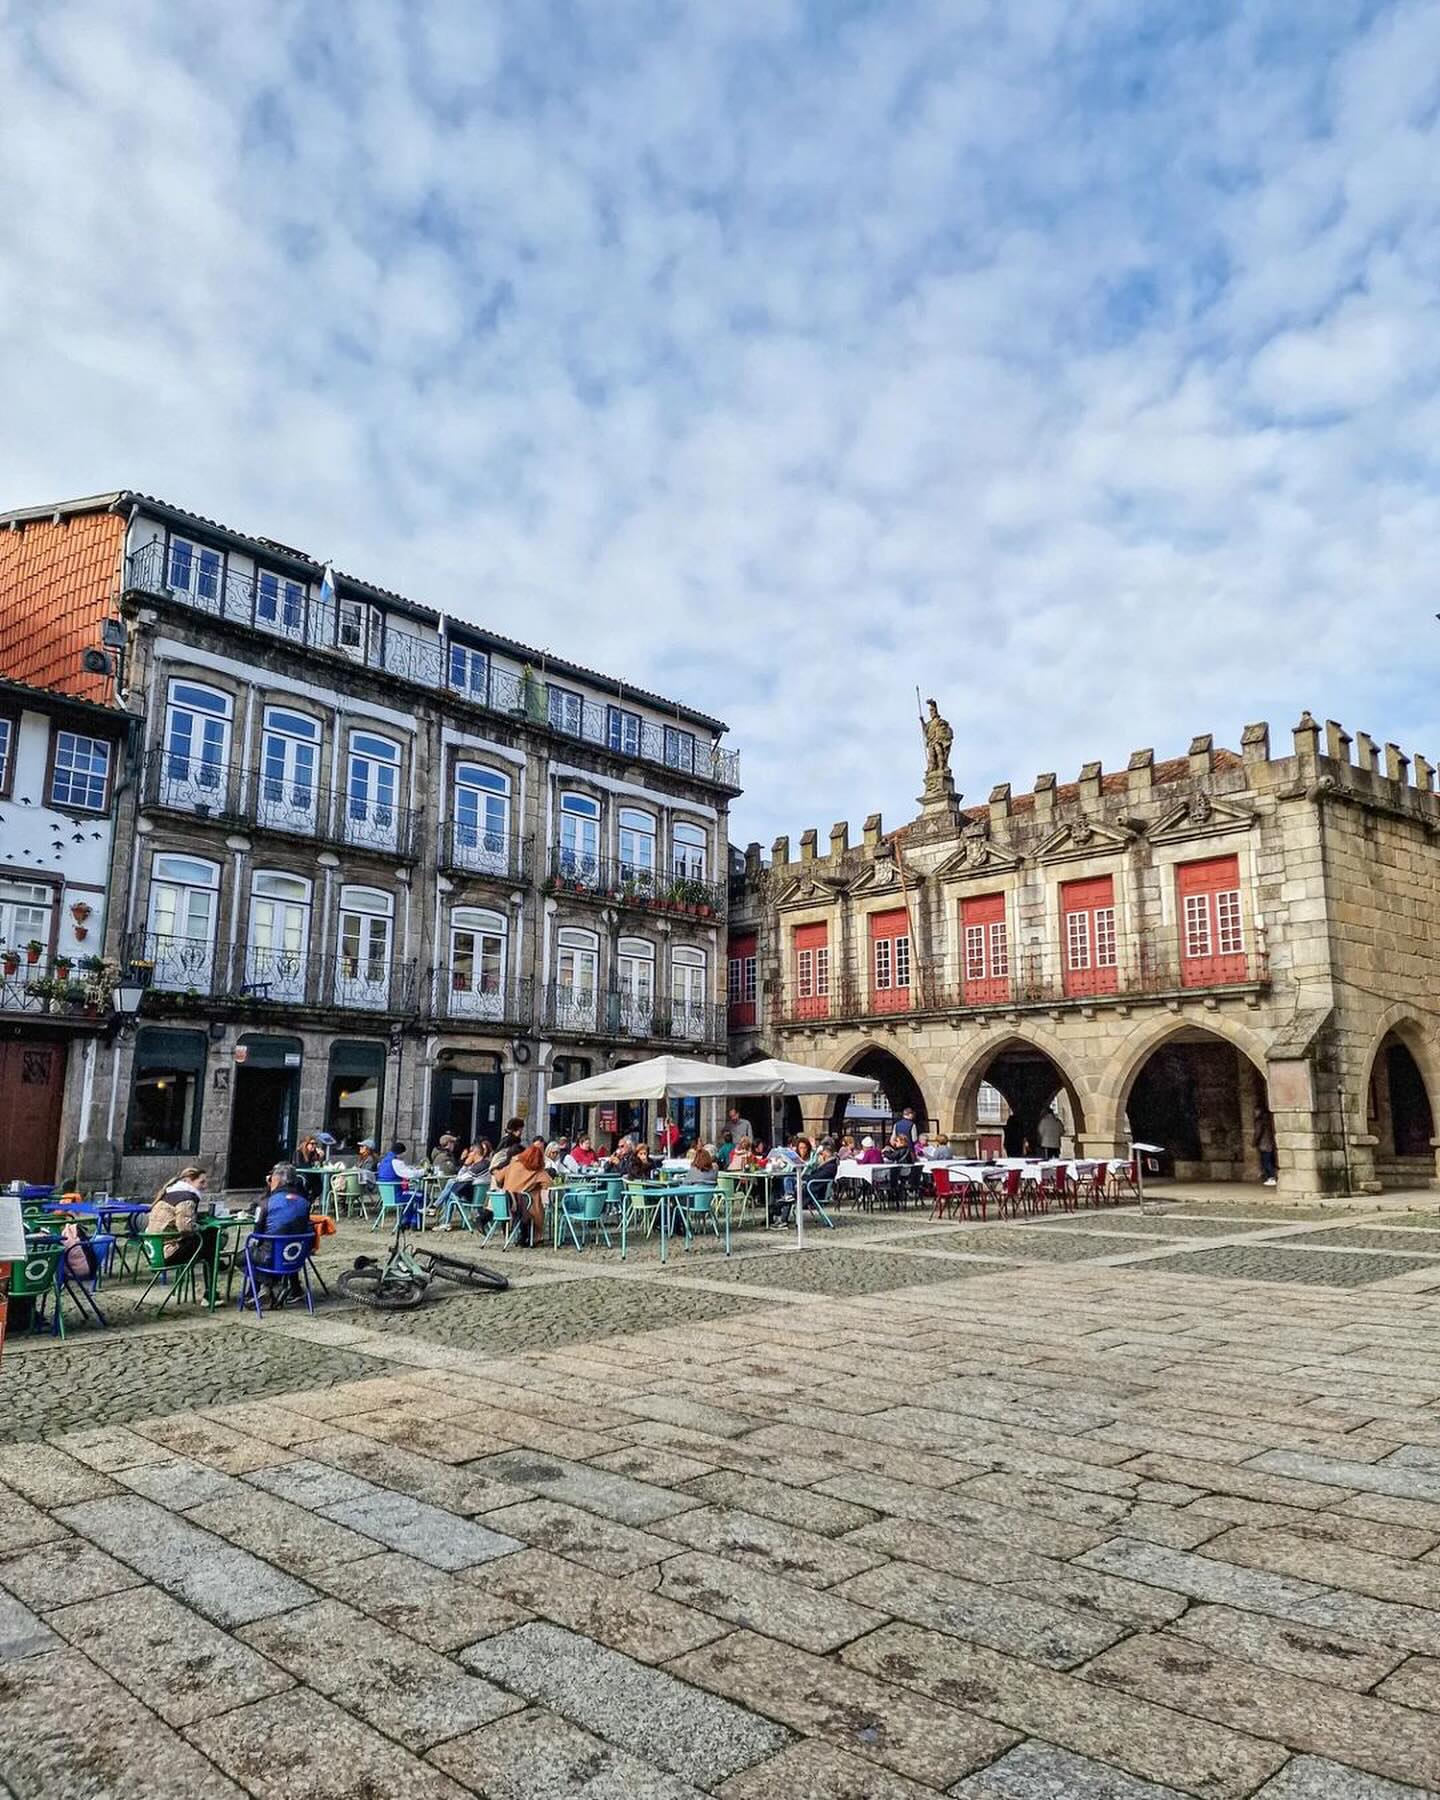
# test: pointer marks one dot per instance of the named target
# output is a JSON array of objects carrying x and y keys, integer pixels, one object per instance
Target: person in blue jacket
[{"x": 284, "y": 1211}]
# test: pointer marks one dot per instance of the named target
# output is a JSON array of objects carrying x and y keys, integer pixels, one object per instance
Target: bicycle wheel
[
  {"x": 370, "y": 1287},
  {"x": 467, "y": 1274}
]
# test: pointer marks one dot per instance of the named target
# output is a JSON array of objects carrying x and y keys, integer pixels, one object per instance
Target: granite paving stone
[
  {"x": 457, "y": 1490},
  {"x": 398, "y": 1686},
  {"x": 1338, "y": 1565},
  {"x": 49, "y": 1476},
  {"x": 1248, "y": 1481},
  {"x": 834, "y": 1451},
  {"x": 697, "y": 1735},
  {"x": 618, "y": 1497},
  {"x": 298, "y": 1744},
  {"x": 580, "y": 1536},
  {"x": 537, "y": 1755},
  {"x": 1358, "y": 1477},
  {"x": 62, "y": 1572},
  {"x": 1315, "y": 1778},
  {"x": 767, "y": 1545},
  {"x": 180, "y": 1485},
  {"x": 814, "y": 1771},
  {"x": 271, "y": 1421},
  {"x": 21, "y": 1633},
  {"x": 917, "y": 1737},
  {"x": 789, "y": 1610},
  {"x": 216, "y": 1578},
  {"x": 1018, "y": 1570},
  {"x": 1290, "y": 1646},
  {"x": 304, "y": 1482},
  {"x": 1032, "y": 1494},
  {"x": 1057, "y": 1636},
  {"x": 291, "y": 1537},
  {"x": 1149, "y": 1741},
  {"x": 68, "y": 1732},
  {"x": 807, "y": 1509},
  {"x": 22, "y": 1524},
  {"x": 440, "y": 1538},
  {"x": 179, "y": 1664},
  {"x": 1266, "y": 1262},
  {"x": 1330, "y": 1527},
  {"x": 663, "y": 1468},
  {"x": 626, "y": 1617},
  {"x": 1416, "y": 1683},
  {"x": 106, "y": 1448},
  {"x": 217, "y": 1446},
  {"x": 1358, "y": 1729},
  {"x": 677, "y": 1409},
  {"x": 431, "y": 1605},
  {"x": 963, "y": 1510},
  {"x": 1039, "y": 1771},
  {"x": 443, "y": 1440}
]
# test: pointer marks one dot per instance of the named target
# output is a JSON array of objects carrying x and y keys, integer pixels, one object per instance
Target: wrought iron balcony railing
[
  {"x": 370, "y": 635},
  {"x": 466, "y": 998},
  {"x": 615, "y": 882},
  {"x": 621, "y": 1014},
  {"x": 471, "y": 850},
  {"x": 231, "y": 794},
  {"x": 1134, "y": 966},
  {"x": 188, "y": 971},
  {"x": 36, "y": 982}
]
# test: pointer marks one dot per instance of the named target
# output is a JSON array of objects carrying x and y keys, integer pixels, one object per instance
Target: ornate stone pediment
[
  {"x": 978, "y": 854},
  {"x": 807, "y": 890},
  {"x": 883, "y": 875},
  {"x": 1200, "y": 816},
  {"x": 1079, "y": 838}
]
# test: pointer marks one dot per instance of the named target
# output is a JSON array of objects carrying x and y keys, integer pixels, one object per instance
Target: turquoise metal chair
[
  {"x": 585, "y": 1215},
  {"x": 464, "y": 1211},
  {"x": 391, "y": 1203},
  {"x": 502, "y": 1219},
  {"x": 695, "y": 1209}
]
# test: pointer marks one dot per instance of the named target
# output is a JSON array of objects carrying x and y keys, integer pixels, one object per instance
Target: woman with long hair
[
  {"x": 174, "y": 1213},
  {"x": 525, "y": 1180}
]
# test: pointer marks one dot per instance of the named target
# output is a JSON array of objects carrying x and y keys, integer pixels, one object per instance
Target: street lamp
[{"x": 125, "y": 997}]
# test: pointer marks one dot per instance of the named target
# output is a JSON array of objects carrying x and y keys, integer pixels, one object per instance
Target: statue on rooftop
[{"x": 938, "y": 739}]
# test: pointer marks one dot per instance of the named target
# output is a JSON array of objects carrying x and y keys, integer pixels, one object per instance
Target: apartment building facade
[
  {"x": 1174, "y": 950},
  {"x": 383, "y": 872}
]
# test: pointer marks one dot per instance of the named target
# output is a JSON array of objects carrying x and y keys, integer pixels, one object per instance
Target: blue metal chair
[
  {"x": 583, "y": 1213},
  {"x": 817, "y": 1193},
  {"x": 279, "y": 1257}
]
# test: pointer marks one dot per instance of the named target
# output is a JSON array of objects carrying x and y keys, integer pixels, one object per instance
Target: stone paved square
[{"x": 1059, "y": 1531}]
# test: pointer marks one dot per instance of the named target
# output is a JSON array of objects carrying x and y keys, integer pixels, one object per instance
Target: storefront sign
[{"x": 609, "y": 1119}]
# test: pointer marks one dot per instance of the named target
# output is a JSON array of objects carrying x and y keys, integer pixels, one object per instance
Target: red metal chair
[
  {"x": 1008, "y": 1201},
  {"x": 1124, "y": 1181},
  {"x": 940, "y": 1180},
  {"x": 970, "y": 1197}
]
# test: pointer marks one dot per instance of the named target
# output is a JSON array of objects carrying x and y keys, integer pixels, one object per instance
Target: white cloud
[{"x": 773, "y": 355}]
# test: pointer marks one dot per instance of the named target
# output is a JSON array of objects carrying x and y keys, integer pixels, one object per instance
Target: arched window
[
  {"x": 373, "y": 789},
  {"x": 687, "y": 850},
  {"x": 277, "y": 955},
  {"x": 184, "y": 898},
  {"x": 289, "y": 754},
  {"x": 482, "y": 818},
  {"x": 197, "y": 746},
  {"x": 688, "y": 997},
  {"x": 362, "y": 973},
  {"x": 579, "y": 837},
  {"x": 637, "y": 846},
  {"x": 479, "y": 955},
  {"x": 577, "y": 966},
  {"x": 635, "y": 984}
]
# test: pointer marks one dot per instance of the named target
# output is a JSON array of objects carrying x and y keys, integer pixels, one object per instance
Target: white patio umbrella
[
  {"x": 776, "y": 1077},
  {"x": 659, "y": 1078}
]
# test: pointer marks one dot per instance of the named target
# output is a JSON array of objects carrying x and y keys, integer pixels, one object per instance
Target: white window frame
[
  {"x": 623, "y": 731},
  {"x": 280, "y": 968},
  {"x": 98, "y": 755},
  {"x": 192, "y": 776},
  {"x": 377, "y": 822},
  {"x": 689, "y": 991},
  {"x": 565, "y": 709},
  {"x": 638, "y": 831},
  {"x": 689, "y": 850},
  {"x": 285, "y": 595},
  {"x": 292, "y": 807},
  {"x": 481, "y": 992},
  {"x": 468, "y": 662},
  {"x": 580, "y": 864},
  {"x": 1229, "y": 923},
  {"x": 679, "y": 749},
  {"x": 477, "y": 844},
  {"x": 362, "y": 975},
  {"x": 582, "y": 950},
  {"x": 204, "y": 574}
]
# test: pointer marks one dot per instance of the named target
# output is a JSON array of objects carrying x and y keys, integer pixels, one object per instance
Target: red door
[
  {"x": 985, "y": 950},
  {"x": 890, "y": 961},
  {"x": 812, "y": 971},
  {"x": 32, "y": 1087},
  {"x": 1087, "y": 936},
  {"x": 740, "y": 993},
  {"x": 1212, "y": 930}
]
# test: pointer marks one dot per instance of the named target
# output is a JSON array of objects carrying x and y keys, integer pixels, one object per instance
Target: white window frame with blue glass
[
  {"x": 372, "y": 790},
  {"x": 623, "y": 732},
  {"x": 689, "y": 850},
  {"x": 482, "y": 819},
  {"x": 280, "y": 604},
  {"x": 579, "y": 858},
  {"x": 288, "y": 785},
  {"x": 196, "y": 571},
  {"x": 565, "y": 710},
  {"x": 364, "y": 939},
  {"x": 195, "y": 764},
  {"x": 181, "y": 921},
  {"x": 80, "y": 772},
  {"x": 469, "y": 672},
  {"x": 679, "y": 749},
  {"x": 639, "y": 841}
]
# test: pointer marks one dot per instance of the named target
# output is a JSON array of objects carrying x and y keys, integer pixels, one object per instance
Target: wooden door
[{"x": 32, "y": 1090}]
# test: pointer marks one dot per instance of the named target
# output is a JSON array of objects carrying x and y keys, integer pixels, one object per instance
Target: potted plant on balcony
[
  {"x": 10, "y": 961},
  {"x": 32, "y": 950},
  {"x": 91, "y": 965},
  {"x": 63, "y": 966}
]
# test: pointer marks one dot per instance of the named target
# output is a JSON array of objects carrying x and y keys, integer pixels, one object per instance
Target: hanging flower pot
[
  {"x": 63, "y": 966},
  {"x": 11, "y": 962},
  {"x": 32, "y": 950},
  {"x": 81, "y": 911}
]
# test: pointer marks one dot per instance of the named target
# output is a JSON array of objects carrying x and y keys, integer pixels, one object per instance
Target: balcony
[
  {"x": 471, "y": 850},
  {"x": 615, "y": 883},
  {"x": 1144, "y": 967},
  {"x": 619, "y": 1015},
  {"x": 63, "y": 987},
  {"x": 369, "y": 635},
  {"x": 484, "y": 1001},
  {"x": 192, "y": 974},
  {"x": 230, "y": 795}
]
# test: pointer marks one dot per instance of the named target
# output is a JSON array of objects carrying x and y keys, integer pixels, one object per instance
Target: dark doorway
[
  {"x": 1401, "y": 1117},
  {"x": 468, "y": 1103},
  {"x": 898, "y": 1089},
  {"x": 1197, "y": 1097},
  {"x": 572, "y": 1120},
  {"x": 1028, "y": 1081},
  {"x": 263, "y": 1109},
  {"x": 32, "y": 1087}
]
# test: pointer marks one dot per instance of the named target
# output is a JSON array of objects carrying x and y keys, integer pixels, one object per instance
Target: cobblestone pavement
[{"x": 1060, "y": 1531}]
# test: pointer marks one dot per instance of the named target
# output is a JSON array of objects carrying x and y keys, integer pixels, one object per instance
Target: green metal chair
[
  {"x": 643, "y": 1204},
  {"x": 36, "y": 1279},
  {"x": 180, "y": 1278}
]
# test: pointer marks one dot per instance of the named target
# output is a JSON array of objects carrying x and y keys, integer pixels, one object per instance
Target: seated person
[
  {"x": 899, "y": 1150},
  {"x": 798, "y": 1156},
  {"x": 824, "y": 1168},
  {"x": 461, "y": 1184},
  {"x": 525, "y": 1181},
  {"x": 702, "y": 1167},
  {"x": 284, "y": 1211},
  {"x": 580, "y": 1158},
  {"x": 742, "y": 1155},
  {"x": 868, "y": 1153},
  {"x": 176, "y": 1209},
  {"x": 393, "y": 1166},
  {"x": 367, "y": 1164},
  {"x": 444, "y": 1158}
]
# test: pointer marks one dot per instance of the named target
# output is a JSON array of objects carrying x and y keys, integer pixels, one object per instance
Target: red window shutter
[
  {"x": 1089, "y": 948},
  {"x": 890, "y": 957},
  {"x": 984, "y": 951},
  {"x": 1210, "y": 922},
  {"x": 812, "y": 971},
  {"x": 741, "y": 987}
]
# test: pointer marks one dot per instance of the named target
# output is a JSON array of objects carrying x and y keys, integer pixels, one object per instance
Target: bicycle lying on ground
[{"x": 399, "y": 1282}]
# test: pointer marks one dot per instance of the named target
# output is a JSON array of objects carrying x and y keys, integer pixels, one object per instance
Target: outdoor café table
[
  {"x": 669, "y": 1196},
  {"x": 219, "y": 1224},
  {"x": 131, "y": 1212}
]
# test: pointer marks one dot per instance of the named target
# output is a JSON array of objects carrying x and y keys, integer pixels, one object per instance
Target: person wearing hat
[
  {"x": 367, "y": 1164},
  {"x": 444, "y": 1158},
  {"x": 868, "y": 1152}
]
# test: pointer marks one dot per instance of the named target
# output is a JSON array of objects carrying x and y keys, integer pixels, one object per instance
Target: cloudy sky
[{"x": 1074, "y": 359}]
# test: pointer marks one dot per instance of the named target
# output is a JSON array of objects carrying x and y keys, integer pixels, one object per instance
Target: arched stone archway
[
  {"x": 1030, "y": 1069},
  {"x": 1398, "y": 1099},
  {"x": 899, "y": 1087},
  {"x": 1199, "y": 1091}
]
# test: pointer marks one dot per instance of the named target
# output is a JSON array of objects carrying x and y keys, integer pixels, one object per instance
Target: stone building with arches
[{"x": 1176, "y": 948}]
